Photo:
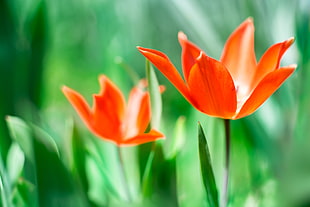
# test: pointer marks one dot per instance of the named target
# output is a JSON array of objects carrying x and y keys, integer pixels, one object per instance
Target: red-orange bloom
[
  {"x": 111, "y": 119},
  {"x": 233, "y": 87}
]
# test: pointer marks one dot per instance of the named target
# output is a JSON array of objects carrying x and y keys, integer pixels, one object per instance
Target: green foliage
[
  {"x": 4, "y": 187},
  {"x": 54, "y": 185},
  {"x": 155, "y": 97},
  {"x": 206, "y": 169},
  {"x": 50, "y": 161}
]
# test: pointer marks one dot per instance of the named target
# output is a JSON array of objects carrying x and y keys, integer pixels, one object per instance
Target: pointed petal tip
[
  {"x": 159, "y": 134},
  {"x": 151, "y": 136},
  {"x": 156, "y": 133},
  {"x": 143, "y": 49},
  {"x": 293, "y": 66},
  {"x": 291, "y": 38},
  {"x": 248, "y": 23},
  {"x": 290, "y": 41},
  {"x": 267, "y": 86},
  {"x": 102, "y": 77},
  {"x": 182, "y": 36},
  {"x": 249, "y": 20},
  {"x": 66, "y": 90},
  {"x": 102, "y": 82}
]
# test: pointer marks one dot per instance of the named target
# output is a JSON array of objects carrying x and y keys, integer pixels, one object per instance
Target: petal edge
[
  {"x": 270, "y": 60},
  {"x": 212, "y": 88},
  {"x": 190, "y": 52},
  {"x": 238, "y": 54},
  {"x": 151, "y": 136},
  {"x": 164, "y": 65},
  {"x": 264, "y": 90},
  {"x": 79, "y": 104}
]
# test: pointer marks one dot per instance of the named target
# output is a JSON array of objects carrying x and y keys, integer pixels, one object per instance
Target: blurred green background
[{"x": 47, "y": 44}]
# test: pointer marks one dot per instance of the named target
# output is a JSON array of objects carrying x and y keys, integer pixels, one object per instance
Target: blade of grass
[
  {"x": 155, "y": 97},
  {"x": 178, "y": 138},
  {"x": 146, "y": 178},
  {"x": 15, "y": 162},
  {"x": 56, "y": 186},
  {"x": 77, "y": 157},
  {"x": 206, "y": 169},
  {"x": 21, "y": 133},
  {"x": 97, "y": 160},
  {"x": 156, "y": 108},
  {"x": 4, "y": 187}
]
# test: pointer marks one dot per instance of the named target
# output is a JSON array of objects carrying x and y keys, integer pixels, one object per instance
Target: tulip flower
[
  {"x": 110, "y": 118},
  {"x": 233, "y": 87}
]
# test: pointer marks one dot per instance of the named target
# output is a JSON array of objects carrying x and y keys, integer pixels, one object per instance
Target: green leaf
[
  {"x": 55, "y": 184},
  {"x": 147, "y": 175},
  {"x": 15, "y": 162},
  {"x": 22, "y": 134},
  {"x": 23, "y": 193},
  {"x": 303, "y": 32},
  {"x": 99, "y": 190},
  {"x": 302, "y": 81},
  {"x": 4, "y": 197},
  {"x": 155, "y": 96},
  {"x": 79, "y": 153},
  {"x": 102, "y": 170},
  {"x": 178, "y": 139},
  {"x": 44, "y": 138},
  {"x": 159, "y": 178},
  {"x": 206, "y": 169},
  {"x": 4, "y": 187},
  {"x": 156, "y": 108}
]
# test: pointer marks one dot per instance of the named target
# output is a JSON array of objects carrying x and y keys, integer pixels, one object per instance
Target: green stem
[
  {"x": 147, "y": 170},
  {"x": 225, "y": 196},
  {"x": 123, "y": 174}
]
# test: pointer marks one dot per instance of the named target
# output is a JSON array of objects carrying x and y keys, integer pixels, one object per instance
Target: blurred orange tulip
[
  {"x": 111, "y": 119},
  {"x": 233, "y": 87}
]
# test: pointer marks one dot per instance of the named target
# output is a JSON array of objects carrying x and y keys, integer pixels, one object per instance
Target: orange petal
[
  {"x": 271, "y": 60},
  {"x": 265, "y": 89},
  {"x": 238, "y": 54},
  {"x": 151, "y": 136},
  {"x": 162, "y": 63},
  {"x": 78, "y": 103},
  {"x": 212, "y": 88},
  {"x": 108, "y": 110},
  {"x": 138, "y": 113},
  {"x": 190, "y": 52}
]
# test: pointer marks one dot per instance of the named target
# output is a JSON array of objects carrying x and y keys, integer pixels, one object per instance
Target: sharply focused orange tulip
[
  {"x": 233, "y": 87},
  {"x": 111, "y": 119}
]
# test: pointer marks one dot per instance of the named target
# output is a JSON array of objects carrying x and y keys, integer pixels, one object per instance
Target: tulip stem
[
  {"x": 123, "y": 174},
  {"x": 227, "y": 164}
]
